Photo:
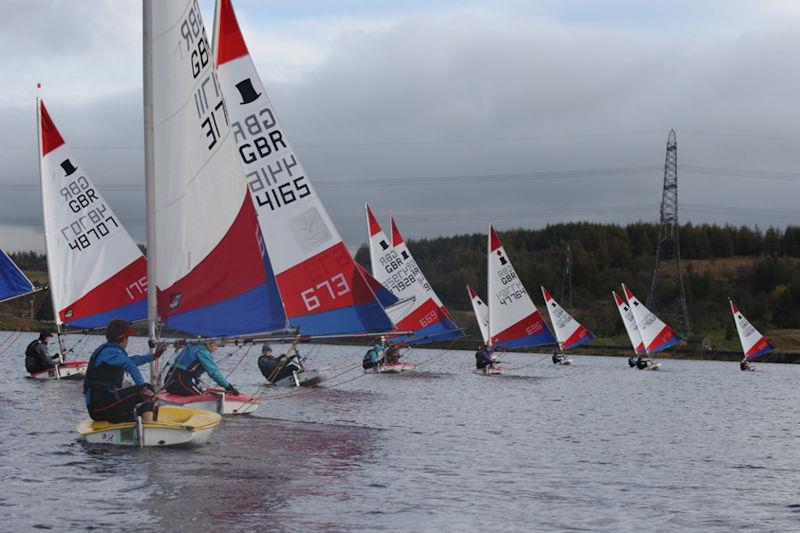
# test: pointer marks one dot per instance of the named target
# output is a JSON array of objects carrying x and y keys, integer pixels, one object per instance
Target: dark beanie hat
[
  {"x": 117, "y": 329},
  {"x": 45, "y": 333}
]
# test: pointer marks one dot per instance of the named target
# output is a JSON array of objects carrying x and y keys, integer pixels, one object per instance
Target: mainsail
[
  {"x": 514, "y": 321},
  {"x": 569, "y": 332},
  {"x": 630, "y": 323},
  {"x": 754, "y": 344},
  {"x": 322, "y": 289},
  {"x": 656, "y": 335},
  {"x": 212, "y": 271},
  {"x": 13, "y": 283},
  {"x": 481, "y": 313},
  {"x": 96, "y": 270},
  {"x": 395, "y": 268}
]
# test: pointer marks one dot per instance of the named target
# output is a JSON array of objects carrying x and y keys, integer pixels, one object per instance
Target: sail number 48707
[{"x": 335, "y": 287}]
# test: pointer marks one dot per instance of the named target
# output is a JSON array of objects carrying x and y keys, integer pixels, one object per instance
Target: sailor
[
  {"x": 642, "y": 363},
  {"x": 36, "y": 356},
  {"x": 392, "y": 354},
  {"x": 632, "y": 361},
  {"x": 744, "y": 364},
  {"x": 557, "y": 358},
  {"x": 183, "y": 378},
  {"x": 374, "y": 356},
  {"x": 268, "y": 365},
  {"x": 106, "y": 399},
  {"x": 483, "y": 357}
]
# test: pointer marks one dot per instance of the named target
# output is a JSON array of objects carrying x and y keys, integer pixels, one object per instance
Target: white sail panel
[
  {"x": 569, "y": 332},
  {"x": 630, "y": 323},
  {"x": 656, "y": 335},
  {"x": 514, "y": 320},
  {"x": 481, "y": 313},
  {"x": 754, "y": 344},
  {"x": 96, "y": 270}
]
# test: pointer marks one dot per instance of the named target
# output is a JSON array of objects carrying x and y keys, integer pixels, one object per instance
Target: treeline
[{"x": 765, "y": 283}]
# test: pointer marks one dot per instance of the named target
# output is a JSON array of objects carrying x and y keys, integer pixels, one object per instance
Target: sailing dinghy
[
  {"x": 630, "y": 328},
  {"x": 569, "y": 332},
  {"x": 13, "y": 282},
  {"x": 96, "y": 270},
  {"x": 656, "y": 335},
  {"x": 754, "y": 344},
  {"x": 514, "y": 320},
  {"x": 425, "y": 316},
  {"x": 322, "y": 290}
]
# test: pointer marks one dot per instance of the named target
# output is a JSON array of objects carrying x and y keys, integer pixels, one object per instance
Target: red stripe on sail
[
  {"x": 471, "y": 292},
  {"x": 373, "y": 283},
  {"x": 532, "y": 324},
  {"x": 628, "y": 294},
  {"x": 234, "y": 266},
  {"x": 425, "y": 315},
  {"x": 757, "y": 347},
  {"x": 734, "y": 310},
  {"x": 579, "y": 334},
  {"x": 324, "y": 282},
  {"x": 546, "y": 295},
  {"x": 51, "y": 139},
  {"x": 397, "y": 237},
  {"x": 372, "y": 223},
  {"x": 640, "y": 348},
  {"x": 127, "y": 286},
  {"x": 231, "y": 44},
  {"x": 665, "y": 335},
  {"x": 494, "y": 240}
]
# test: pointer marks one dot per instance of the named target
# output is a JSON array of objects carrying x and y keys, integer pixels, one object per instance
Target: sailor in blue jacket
[
  {"x": 195, "y": 360},
  {"x": 374, "y": 356},
  {"x": 106, "y": 399},
  {"x": 483, "y": 357}
]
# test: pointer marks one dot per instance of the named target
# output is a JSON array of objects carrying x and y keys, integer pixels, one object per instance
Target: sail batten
[{"x": 321, "y": 287}]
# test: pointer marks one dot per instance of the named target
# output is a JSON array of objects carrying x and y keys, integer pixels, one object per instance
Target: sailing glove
[{"x": 230, "y": 388}]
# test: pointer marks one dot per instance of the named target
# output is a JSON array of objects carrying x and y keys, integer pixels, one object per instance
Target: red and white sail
[
  {"x": 754, "y": 344},
  {"x": 630, "y": 323},
  {"x": 569, "y": 332},
  {"x": 212, "y": 273},
  {"x": 323, "y": 291},
  {"x": 514, "y": 321},
  {"x": 481, "y": 313},
  {"x": 656, "y": 335},
  {"x": 96, "y": 270}
]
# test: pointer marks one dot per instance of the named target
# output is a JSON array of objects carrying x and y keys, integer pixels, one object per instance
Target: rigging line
[
  {"x": 11, "y": 342},
  {"x": 242, "y": 358}
]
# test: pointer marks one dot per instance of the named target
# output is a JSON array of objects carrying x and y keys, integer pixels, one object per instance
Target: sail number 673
[{"x": 335, "y": 287}]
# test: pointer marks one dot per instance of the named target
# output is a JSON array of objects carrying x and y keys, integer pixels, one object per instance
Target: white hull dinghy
[
  {"x": 655, "y": 335},
  {"x": 490, "y": 370},
  {"x": 214, "y": 400},
  {"x": 754, "y": 344},
  {"x": 566, "y": 362},
  {"x": 569, "y": 332},
  {"x": 395, "y": 368},
  {"x": 306, "y": 378},
  {"x": 176, "y": 426},
  {"x": 71, "y": 370}
]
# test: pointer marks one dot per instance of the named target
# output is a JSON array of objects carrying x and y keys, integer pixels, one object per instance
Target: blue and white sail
[{"x": 13, "y": 283}]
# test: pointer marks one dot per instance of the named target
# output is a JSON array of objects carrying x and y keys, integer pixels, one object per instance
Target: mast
[
  {"x": 149, "y": 178},
  {"x": 489, "y": 287},
  {"x": 61, "y": 349}
]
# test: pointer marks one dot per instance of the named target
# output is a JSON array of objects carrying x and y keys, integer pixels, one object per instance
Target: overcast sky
[{"x": 448, "y": 114}]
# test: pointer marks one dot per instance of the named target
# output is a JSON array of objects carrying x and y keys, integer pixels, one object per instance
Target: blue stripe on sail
[
  {"x": 12, "y": 281},
  {"x": 130, "y": 312},
  {"x": 543, "y": 338},
  {"x": 768, "y": 348},
  {"x": 663, "y": 346},
  {"x": 368, "y": 317},
  {"x": 587, "y": 338},
  {"x": 385, "y": 297},
  {"x": 253, "y": 311},
  {"x": 440, "y": 331}
]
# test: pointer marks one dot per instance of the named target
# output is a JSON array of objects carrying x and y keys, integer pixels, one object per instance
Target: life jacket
[
  {"x": 103, "y": 376},
  {"x": 32, "y": 357},
  {"x": 189, "y": 361},
  {"x": 370, "y": 359}
]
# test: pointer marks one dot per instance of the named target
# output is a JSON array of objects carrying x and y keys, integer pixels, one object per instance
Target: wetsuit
[
  {"x": 373, "y": 357},
  {"x": 744, "y": 364},
  {"x": 36, "y": 357},
  {"x": 267, "y": 365},
  {"x": 105, "y": 397},
  {"x": 392, "y": 355},
  {"x": 183, "y": 378},
  {"x": 632, "y": 361},
  {"x": 557, "y": 358},
  {"x": 483, "y": 358},
  {"x": 642, "y": 363}
]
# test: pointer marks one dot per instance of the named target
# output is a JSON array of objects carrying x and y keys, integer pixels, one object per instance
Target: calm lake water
[{"x": 597, "y": 446}]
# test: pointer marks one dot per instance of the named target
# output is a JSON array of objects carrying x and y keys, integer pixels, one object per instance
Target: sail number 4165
[{"x": 334, "y": 287}]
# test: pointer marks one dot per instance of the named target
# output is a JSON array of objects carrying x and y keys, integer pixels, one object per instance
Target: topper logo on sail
[
  {"x": 503, "y": 260},
  {"x": 247, "y": 91},
  {"x": 68, "y": 167}
]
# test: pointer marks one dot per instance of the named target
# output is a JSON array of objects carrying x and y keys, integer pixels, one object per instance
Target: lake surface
[{"x": 596, "y": 446}]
